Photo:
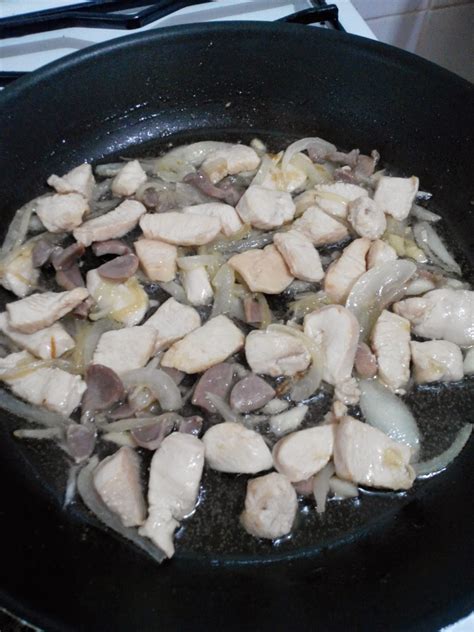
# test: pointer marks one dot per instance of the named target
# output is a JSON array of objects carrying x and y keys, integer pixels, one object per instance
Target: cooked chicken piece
[
  {"x": 117, "y": 481},
  {"x": 366, "y": 456},
  {"x": 288, "y": 180},
  {"x": 180, "y": 229},
  {"x": 62, "y": 213},
  {"x": 48, "y": 344},
  {"x": 229, "y": 161},
  {"x": 126, "y": 302},
  {"x": 78, "y": 180},
  {"x": 337, "y": 331},
  {"x": 270, "y": 506},
  {"x": 15, "y": 362},
  {"x": 112, "y": 225},
  {"x": 275, "y": 353},
  {"x": 335, "y": 198},
  {"x": 128, "y": 179},
  {"x": 265, "y": 208},
  {"x": 262, "y": 270},
  {"x": 300, "y": 255},
  {"x": 367, "y": 219},
  {"x": 343, "y": 273},
  {"x": 304, "y": 200},
  {"x": 379, "y": 253},
  {"x": 436, "y": 360},
  {"x": 468, "y": 364},
  {"x": 319, "y": 227},
  {"x": 288, "y": 420},
  {"x": 175, "y": 475},
  {"x": 391, "y": 344},
  {"x": 230, "y": 447},
  {"x": 396, "y": 195},
  {"x": 441, "y": 314},
  {"x": 419, "y": 285},
  {"x": 172, "y": 321},
  {"x": 197, "y": 286},
  {"x": 125, "y": 349},
  {"x": 157, "y": 259},
  {"x": 54, "y": 389},
  {"x": 348, "y": 392},
  {"x": 38, "y": 311},
  {"x": 301, "y": 454},
  {"x": 210, "y": 344},
  {"x": 18, "y": 274},
  {"x": 226, "y": 214}
]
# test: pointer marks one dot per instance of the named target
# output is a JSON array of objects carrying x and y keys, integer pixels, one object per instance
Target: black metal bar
[
  {"x": 328, "y": 13},
  {"x": 102, "y": 14},
  {"x": 8, "y": 77}
]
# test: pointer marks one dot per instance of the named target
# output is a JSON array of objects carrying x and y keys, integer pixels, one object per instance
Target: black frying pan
[{"x": 399, "y": 562}]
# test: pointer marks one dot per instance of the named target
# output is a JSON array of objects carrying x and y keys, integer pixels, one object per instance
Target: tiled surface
[{"x": 400, "y": 30}]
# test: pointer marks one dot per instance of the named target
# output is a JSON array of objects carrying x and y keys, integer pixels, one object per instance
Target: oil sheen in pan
[{"x": 214, "y": 531}]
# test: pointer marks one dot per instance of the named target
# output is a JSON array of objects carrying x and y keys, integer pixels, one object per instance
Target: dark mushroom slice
[
  {"x": 251, "y": 393},
  {"x": 216, "y": 380},
  {"x": 104, "y": 388},
  {"x": 119, "y": 269},
  {"x": 110, "y": 247}
]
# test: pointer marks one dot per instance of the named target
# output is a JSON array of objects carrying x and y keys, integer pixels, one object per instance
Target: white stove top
[{"x": 32, "y": 51}]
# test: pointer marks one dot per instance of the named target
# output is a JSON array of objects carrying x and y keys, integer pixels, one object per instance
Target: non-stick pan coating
[{"x": 395, "y": 563}]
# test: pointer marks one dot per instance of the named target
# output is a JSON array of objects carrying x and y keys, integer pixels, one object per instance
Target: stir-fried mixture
[{"x": 191, "y": 307}]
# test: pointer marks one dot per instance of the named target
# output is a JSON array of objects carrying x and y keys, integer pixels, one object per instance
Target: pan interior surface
[{"x": 236, "y": 83}]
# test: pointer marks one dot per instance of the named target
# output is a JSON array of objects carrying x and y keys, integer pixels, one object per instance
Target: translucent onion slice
[
  {"x": 321, "y": 486},
  {"x": 424, "y": 214},
  {"x": 429, "y": 241},
  {"x": 223, "y": 408},
  {"x": 301, "y": 145},
  {"x": 438, "y": 463},
  {"x": 92, "y": 500},
  {"x": 161, "y": 385},
  {"x": 30, "y": 413},
  {"x": 223, "y": 283},
  {"x": 377, "y": 288},
  {"x": 343, "y": 489},
  {"x": 387, "y": 412}
]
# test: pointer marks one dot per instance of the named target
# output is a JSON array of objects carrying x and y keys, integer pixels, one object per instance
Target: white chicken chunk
[
  {"x": 445, "y": 314},
  {"x": 112, "y": 225},
  {"x": 270, "y": 506},
  {"x": 117, "y": 481},
  {"x": 288, "y": 420},
  {"x": 343, "y": 273},
  {"x": 197, "y": 286},
  {"x": 319, "y": 227},
  {"x": 265, "y": 208},
  {"x": 125, "y": 302},
  {"x": 391, "y": 344},
  {"x": 204, "y": 347},
  {"x": 55, "y": 389},
  {"x": 180, "y": 229},
  {"x": 18, "y": 274},
  {"x": 229, "y": 161},
  {"x": 301, "y": 454},
  {"x": 128, "y": 179},
  {"x": 337, "y": 331},
  {"x": 157, "y": 259},
  {"x": 230, "y": 447},
  {"x": 48, "y": 344},
  {"x": 468, "y": 364},
  {"x": 300, "y": 255},
  {"x": 262, "y": 270},
  {"x": 175, "y": 475},
  {"x": 172, "y": 321},
  {"x": 335, "y": 198},
  {"x": 78, "y": 180},
  {"x": 379, "y": 253},
  {"x": 367, "y": 219},
  {"x": 436, "y": 360},
  {"x": 125, "y": 349},
  {"x": 62, "y": 213},
  {"x": 38, "y": 311},
  {"x": 275, "y": 353},
  {"x": 15, "y": 362},
  {"x": 396, "y": 195},
  {"x": 366, "y": 456},
  {"x": 226, "y": 214},
  {"x": 288, "y": 180}
]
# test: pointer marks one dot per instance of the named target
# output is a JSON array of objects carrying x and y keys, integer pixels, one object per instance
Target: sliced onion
[
  {"x": 197, "y": 261},
  {"x": 223, "y": 408},
  {"x": 174, "y": 289},
  {"x": 321, "y": 486},
  {"x": 377, "y": 288},
  {"x": 18, "y": 228},
  {"x": 266, "y": 165},
  {"x": 321, "y": 146},
  {"x": 429, "y": 241},
  {"x": 159, "y": 383},
  {"x": 71, "y": 485},
  {"x": 438, "y": 463},
  {"x": 223, "y": 283},
  {"x": 38, "y": 433},
  {"x": 315, "y": 174},
  {"x": 120, "y": 439},
  {"x": 30, "y": 413},
  {"x": 343, "y": 489},
  {"x": 108, "y": 170},
  {"x": 424, "y": 214},
  {"x": 307, "y": 303},
  {"x": 92, "y": 500},
  {"x": 382, "y": 409},
  {"x": 86, "y": 338}
]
